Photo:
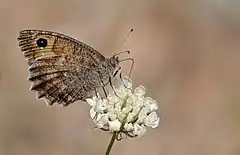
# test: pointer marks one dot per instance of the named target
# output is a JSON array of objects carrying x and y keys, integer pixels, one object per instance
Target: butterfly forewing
[{"x": 61, "y": 68}]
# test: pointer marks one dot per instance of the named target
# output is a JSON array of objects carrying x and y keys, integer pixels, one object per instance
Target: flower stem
[{"x": 111, "y": 143}]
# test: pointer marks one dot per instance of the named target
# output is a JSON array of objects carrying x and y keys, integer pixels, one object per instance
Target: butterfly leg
[
  {"x": 120, "y": 75},
  {"x": 95, "y": 90},
  {"x": 110, "y": 83},
  {"x": 132, "y": 64},
  {"x": 130, "y": 71},
  {"x": 103, "y": 88},
  {"x": 119, "y": 69}
]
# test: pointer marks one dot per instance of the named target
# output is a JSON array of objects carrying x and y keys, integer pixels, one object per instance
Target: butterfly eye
[{"x": 41, "y": 42}]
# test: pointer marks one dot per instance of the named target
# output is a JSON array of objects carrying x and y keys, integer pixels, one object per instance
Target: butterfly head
[
  {"x": 113, "y": 64},
  {"x": 114, "y": 61}
]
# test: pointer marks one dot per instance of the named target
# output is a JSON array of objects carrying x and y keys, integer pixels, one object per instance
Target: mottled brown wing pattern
[{"x": 59, "y": 66}]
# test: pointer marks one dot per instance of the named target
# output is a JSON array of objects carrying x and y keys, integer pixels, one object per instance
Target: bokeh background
[{"x": 187, "y": 54}]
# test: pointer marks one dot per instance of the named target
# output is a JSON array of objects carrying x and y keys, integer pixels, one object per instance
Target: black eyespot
[{"x": 41, "y": 42}]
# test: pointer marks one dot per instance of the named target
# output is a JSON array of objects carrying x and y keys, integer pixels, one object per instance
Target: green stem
[{"x": 111, "y": 143}]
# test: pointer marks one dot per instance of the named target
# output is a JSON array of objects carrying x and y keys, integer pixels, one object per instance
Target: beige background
[{"x": 187, "y": 54}]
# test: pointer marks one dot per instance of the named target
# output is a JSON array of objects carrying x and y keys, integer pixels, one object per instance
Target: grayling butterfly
[{"x": 64, "y": 70}]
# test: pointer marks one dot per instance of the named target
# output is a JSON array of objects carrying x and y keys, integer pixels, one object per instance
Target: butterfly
[{"x": 63, "y": 69}]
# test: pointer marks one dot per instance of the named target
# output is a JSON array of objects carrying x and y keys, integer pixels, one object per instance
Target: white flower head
[{"x": 125, "y": 110}]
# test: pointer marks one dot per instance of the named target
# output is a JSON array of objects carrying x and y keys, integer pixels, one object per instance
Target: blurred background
[{"x": 187, "y": 54}]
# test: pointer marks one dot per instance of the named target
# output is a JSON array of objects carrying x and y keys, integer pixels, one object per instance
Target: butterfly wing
[{"x": 59, "y": 66}]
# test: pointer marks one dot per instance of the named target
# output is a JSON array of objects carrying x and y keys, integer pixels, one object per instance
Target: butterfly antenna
[
  {"x": 124, "y": 43},
  {"x": 128, "y": 52}
]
